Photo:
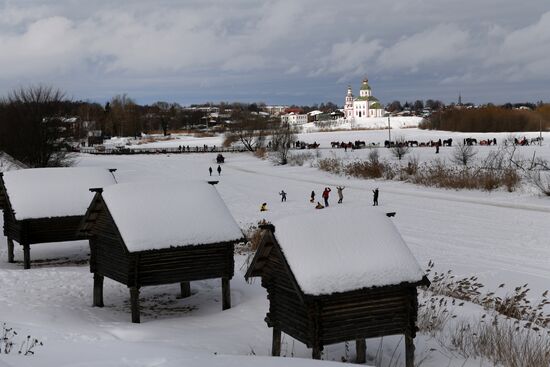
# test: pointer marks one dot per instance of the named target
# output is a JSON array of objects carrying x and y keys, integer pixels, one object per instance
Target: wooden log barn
[
  {"x": 329, "y": 281},
  {"x": 144, "y": 234},
  {"x": 43, "y": 205}
]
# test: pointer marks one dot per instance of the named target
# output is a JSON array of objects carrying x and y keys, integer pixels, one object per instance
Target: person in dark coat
[
  {"x": 375, "y": 197},
  {"x": 210, "y": 170},
  {"x": 325, "y": 195},
  {"x": 219, "y": 170},
  {"x": 312, "y": 197},
  {"x": 283, "y": 195}
]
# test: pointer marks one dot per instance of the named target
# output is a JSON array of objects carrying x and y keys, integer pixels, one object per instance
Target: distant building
[
  {"x": 294, "y": 119},
  {"x": 275, "y": 110},
  {"x": 364, "y": 106}
]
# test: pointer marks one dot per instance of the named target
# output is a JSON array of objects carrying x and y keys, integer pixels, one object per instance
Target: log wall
[
  {"x": 286, "y": 310},
  {"x": 367, "y": 314},
  {"x": 58, "y": 229},
  {"x": 109, "y": 257},
  {"x": 12, "y": 228},
  {"x": 2, "y": 194},
  {"x": 185, "y": 264}
]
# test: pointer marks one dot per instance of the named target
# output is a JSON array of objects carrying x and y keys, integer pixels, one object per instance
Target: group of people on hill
[{"x": 325, "y": 195}]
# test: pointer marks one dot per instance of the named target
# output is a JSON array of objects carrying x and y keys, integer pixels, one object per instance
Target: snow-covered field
[{"x": 501, "y": 237}]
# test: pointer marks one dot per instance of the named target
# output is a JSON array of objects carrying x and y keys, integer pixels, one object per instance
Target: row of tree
[
  {"x": 416, "y": 106},
  {"x": 39, "y": 126},
  {"x": 490, "y": 119}
]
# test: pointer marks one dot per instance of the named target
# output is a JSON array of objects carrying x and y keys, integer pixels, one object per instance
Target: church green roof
[
  {"x": 365, "y": 86},
  {"x": 367, "y": 98},
  {"x": 376, "y": 105}
]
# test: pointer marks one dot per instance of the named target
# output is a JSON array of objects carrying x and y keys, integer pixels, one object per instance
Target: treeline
[
  {"x": 40, "y": 126},
  {"x": 416, "y": 106},
  {"x": 489, "y": 119}
]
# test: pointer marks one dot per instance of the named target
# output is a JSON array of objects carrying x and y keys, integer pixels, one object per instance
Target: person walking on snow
[
  {"x": 210, "y": 170},
  {"x": 375, "y": 197},
  {"x": 283, "y": 195},
  {"x": 340, "y": 194},
  {"x": 312, "y": 197},
  {"x": 325, "y": 195},
  {"x": 219, "y": 170}
]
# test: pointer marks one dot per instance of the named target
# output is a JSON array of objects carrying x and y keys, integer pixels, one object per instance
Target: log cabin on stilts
[
  {"x": 144, "y": 234},
  {"x": 43, "y": 205},
  {"x": 330, "y": 281}
]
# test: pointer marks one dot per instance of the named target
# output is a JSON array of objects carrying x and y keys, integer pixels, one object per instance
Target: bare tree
[
  {"x": 463, "y": 154},
  {"x": 250, "y": 129},
  {"x": 165, "y": 114},
  {"x": 124, "y": 116},
  {"x": 33, "y": 127},
  {"x": 400, "y": 148},
  {"x": 282, "y": 139},
  {"x": 541, "y": 180},
  {"x": 374, "y": 157}
]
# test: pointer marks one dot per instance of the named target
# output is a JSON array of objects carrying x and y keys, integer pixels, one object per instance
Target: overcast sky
[{"x": 287, "y": 51}]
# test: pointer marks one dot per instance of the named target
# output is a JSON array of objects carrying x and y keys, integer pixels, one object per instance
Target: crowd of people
[{"x": 325, "y": 195}]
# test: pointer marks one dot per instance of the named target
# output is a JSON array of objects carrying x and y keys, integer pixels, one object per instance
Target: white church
[{"x": 363, "y": 107}]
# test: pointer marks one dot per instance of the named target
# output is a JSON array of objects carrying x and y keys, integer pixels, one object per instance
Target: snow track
[{"x": 427, "y": 195}]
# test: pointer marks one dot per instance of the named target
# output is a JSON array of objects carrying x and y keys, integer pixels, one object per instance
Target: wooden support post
[
  {"x": 134, "y": 304},
  {"x": 185, "y": 289},
  {"x": 11, "y": 247},
  {"x": 316, "y": 352},
  {"x": 276, "y": 343},
  {"x": 98, "y": 290},
  {"x": 409, "y": 350},
  {"x": 26, "y": 255},
  {"x": 361, "y": 351},
  {"x": 226, "y": 294}
]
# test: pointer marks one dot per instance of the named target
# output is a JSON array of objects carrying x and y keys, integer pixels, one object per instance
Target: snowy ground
[{"x": 501, "y": 237}]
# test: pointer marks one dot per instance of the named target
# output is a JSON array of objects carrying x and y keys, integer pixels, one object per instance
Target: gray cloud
[{"x": 277, "y": 51}]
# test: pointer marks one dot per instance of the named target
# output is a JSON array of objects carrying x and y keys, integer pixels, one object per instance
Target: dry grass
[
  {"x": 517, "y": 305},
  {"x": 298, "y": 159},
  {"x": 253, "y": 236},
  {"x": 261, "y": 153},
  {"x": 503, "y": 341},
  {"x": 439, "y": 175},
  {"x": 436, "y": 174},
  {"x": 332, "y": 165},
  {"x": 434, "y": 313},
  {"x": 513, "y": 331}
]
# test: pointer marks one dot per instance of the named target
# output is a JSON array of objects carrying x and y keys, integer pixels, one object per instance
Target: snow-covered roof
[
  {"x": 152, "y": 216},
  {"x": 329, "y": 251},
  {"x": 53, "y": 192},
  {"x": 315, "y": 113}
]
